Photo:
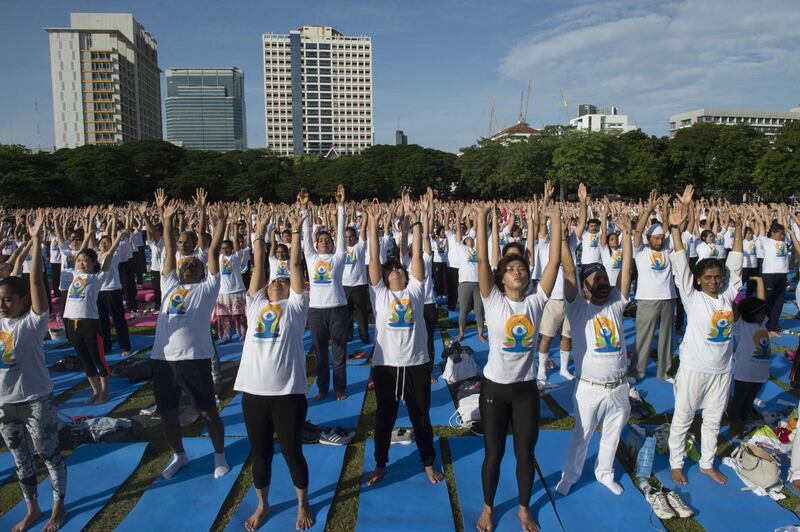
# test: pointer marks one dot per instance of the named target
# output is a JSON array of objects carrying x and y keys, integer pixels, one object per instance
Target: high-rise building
[
  {"x": 318, "y": 91},
  {"x": 605, "y": 119},
  {"x": 205, "y": 108},
  {"x": 105, "y": 81},
  {"x": 767, "y": 122},
  {"x": 400, "y": 138}
]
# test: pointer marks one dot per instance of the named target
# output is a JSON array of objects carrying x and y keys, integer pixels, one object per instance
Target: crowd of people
[{"x": 530, "y": 271}]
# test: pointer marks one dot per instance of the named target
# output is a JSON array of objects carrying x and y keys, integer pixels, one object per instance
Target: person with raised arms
[
  {"x": 704, "y": 375},
  {"x": 509, "y": 393},
  {"x": 27, "y": 409},
  {"x": 272, "y": 374},
  {"x": 400, "y": 361},
  {"x": 595, "y": 311},
  {"x": 183, "y": 348},
  {"x": 327, "y": 314}
]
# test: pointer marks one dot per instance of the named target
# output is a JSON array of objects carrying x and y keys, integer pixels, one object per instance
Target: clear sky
[{"x": 434, "y": 62}]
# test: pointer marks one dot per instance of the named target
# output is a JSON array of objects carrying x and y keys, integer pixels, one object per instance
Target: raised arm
[
  {"x": 604, "y": 223},
  {"x": 219, "y": 217},
  {"x": 568, "y": 266},
  {"x": 375, "y": 267},
  {"x": 495, "y": 236},
  {"x": 168, "y": 257},
  {"x": 341, "y": 247},
  {"x": 550, "y": 273},
  {"x": 259, "y": 278},
  {"x": 485, "y": 281},
  {"x": 417, "y": 264},
  {"x": 201, "y": 202},
  {"x": 583, "y": 200},
  {"x": 296, "y": 278},
  {"x": 625, "y": 277},
  {"x": 644, "y": 219},
  {"x": 39, "y": 299}
]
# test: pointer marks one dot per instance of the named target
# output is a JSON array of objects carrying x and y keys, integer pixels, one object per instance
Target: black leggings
[
  {"x": 284, "y": 414},
  {"x": 500, "y": 404},
  {"x": 84, "y": 335},
  {"x": 413, "y": 383},
  {"x": 741, "y": 404},
  {"x": 109, "y": 304},
  {"x": 430, "y": 325},
  {"x": 452, "y": 288},
  {"x": 440, "y": 278}
]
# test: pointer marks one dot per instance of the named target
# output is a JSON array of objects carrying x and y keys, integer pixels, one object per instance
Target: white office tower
[
  {"x": 105, "y": 81},
  {"x": 318, "y": 92}
]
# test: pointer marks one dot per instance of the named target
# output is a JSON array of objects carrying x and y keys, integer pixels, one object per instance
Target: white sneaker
[
  {"x": 658, "y": 502},
  {"x": 677, "y": 504},
  {"x": 402, "y": 436},
  {"x": 670, "y": 380}
]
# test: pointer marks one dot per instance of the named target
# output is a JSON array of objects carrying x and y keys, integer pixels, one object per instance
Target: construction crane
[
  {"x": 523, "y": 114},
  {"x": 492, "y": 113},
  {"x": 527, "y": 101},
  {"x": 566, "y": 107}
]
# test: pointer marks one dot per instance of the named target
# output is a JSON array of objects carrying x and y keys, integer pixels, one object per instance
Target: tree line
[{"x": 720, "y": 161}]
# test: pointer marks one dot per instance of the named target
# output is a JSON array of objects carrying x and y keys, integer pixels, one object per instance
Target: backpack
[
  {"x": 468, "y": 412},
  {"x": 460, "y": 364},
  {"x": 72, "y": 432},
  {"x": 758, "y": 466},
  {"x": 134, "y": 370}
]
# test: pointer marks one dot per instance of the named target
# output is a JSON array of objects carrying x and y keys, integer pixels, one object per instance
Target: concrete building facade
[
  {"x": 604, "y": 119},
  {"x": 767, "y": 122},
  {"x": 106, "y": 82},
  {"x": 318, "y": 91}
]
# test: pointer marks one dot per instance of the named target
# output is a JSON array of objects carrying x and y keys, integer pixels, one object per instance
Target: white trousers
[
  {"x": 594, "y": 404},
  {"x": 697, "y": 391},
  {"x": 794, "y": 467}
]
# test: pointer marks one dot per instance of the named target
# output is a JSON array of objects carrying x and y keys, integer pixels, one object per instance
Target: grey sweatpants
[
  {"x": 32, "y": 428},
  {"x": 469, "y": 298},
  {"x": 648, "y": 314}
]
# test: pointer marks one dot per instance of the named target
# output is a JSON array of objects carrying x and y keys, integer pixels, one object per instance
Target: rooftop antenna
[
  {"x": 38, "y": 134},
  {"x": 527, "y": 101}
]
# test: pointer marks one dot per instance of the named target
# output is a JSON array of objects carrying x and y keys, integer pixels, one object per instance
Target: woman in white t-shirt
[
  {"x": 751, "y": 356},
  {"x": 775, "y": 267},
  {"x": 272, "y": 374},
  {"x": 509, "y": 392},
  {"x": 110, "y": 301},
  {"x": 707, "y": 247},
  {"x": 704, "y": 375},
  {"x": 230, "y": 309},
  {"x": 400, "y": 367},
  {"x": 27, "y": 410},
  {"x": 81, "y": 317},
  {"x": 750, "y": 264},
  {"x": 465, "y": 256}
]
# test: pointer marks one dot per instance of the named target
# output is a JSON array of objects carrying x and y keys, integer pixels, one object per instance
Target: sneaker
[
  {"x": 677, "y": 504},
  {"x": 634, "y": 394},
  {"x": 402, "y": 435},
  {"x": 658, "y": 502},
  {"x": 336, "y": 436},
  {"x": 149, "y": 411}
]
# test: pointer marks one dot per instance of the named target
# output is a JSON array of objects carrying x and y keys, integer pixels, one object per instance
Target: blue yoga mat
[
  {"x": 659, "y": 394},
  {"x": 562, "y": 391},
  {"x": 307, "y": 345},
  {"x": 357, "y": 347},
  {"x": 120, "y": 389},
  {"x": 404, "y": 499},
  {"x": 442, "y": 406},
  {"x": 139, "y": 343},
  {"x": 192, "y": 498},
  {"x": 723, "y": 506},
  {"x": 51, "y": 344},
  {"x": 66, "y": 381},
  {"x": 229, "y": 351},
  {"x": 325, "y": 467},
  {"x": 332, "y": 413},
  {"x": 94, "y": 473},
  {"x": 780, "y": 366},
  {"x": 588, "y": 506},
  {"x": 771, "y": 394},
  {"x": 7, "y": 466}
]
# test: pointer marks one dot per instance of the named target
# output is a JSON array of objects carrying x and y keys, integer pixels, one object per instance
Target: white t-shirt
[
  {"x": 513, "y": 331},
  {"x": 706, "y": 251},
  {"x": 230, "y": 269},
  {"x": 719, "y": 241},
  {"x": 156, "y": 250},
  {"x": 690, "y": 243},
  {"x": 590, "y": 248},
  {"x": 125, "y": 249},
  {"x": 273, "y": 358},
  {"x": 355, "y": 270},
  {"x": 182, "y": 329},
  {"x": 612, "y": 261},
  {"x": 23, "y": 374},
  {"x": 543, "y": 258},
  {"x": 67, "y": 266},
  {"x": 706, "y": 346},
  {"x": 776, "y": 255},
  {"x": 427, "y": 262},
  {"x": 111, "y": 281},
  {"x": 401, "y": 336},
  {"x": 325, "y": 271},
  {"x": 82, "y": 295},
  {"x": 751, "y": 353},
  {"x": 467, "y": 260},
  {"x": 750, "y": 257},
  {"x": 278, "y": 269},
  {"x": 440, "y": 247},
  {"x": 655, "y": 273},
  {"x": 55, "y": 251},
  {"x": 600, "y": 353}
]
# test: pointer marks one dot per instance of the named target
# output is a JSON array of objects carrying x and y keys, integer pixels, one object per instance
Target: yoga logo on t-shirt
[
  {"x": 720, "y": 330},
  {"x": 657, "y": 262},
  {"x": 616, "y": 259},
  {"x": 713, "y": 251},
  {"x": 225, "y": 266},
  {"x": 176, "y": 304},
  {"x": 472, "y": 255},
  {"x": 70, "y": 263},
  {"x": 751, "y": 248},
  {"x": 322, "y": 272},
  {"x": 606, "y": 337},
  {"x": 442, "y": 246},
  {"x": 519, "y": 334},
  {"x": 282, "y": 270},
  {"x": 350, "y": 257},
  {"x": 268, "y": 324},
  {"x": 400, "y": 315},
  {"x": 77, "y": 290},
  {"x": 761, "y": 345},
  {"x": 7, "y": 358},
  {"x": 594, "y": 240},
  {"x": 780, "y": 249}
]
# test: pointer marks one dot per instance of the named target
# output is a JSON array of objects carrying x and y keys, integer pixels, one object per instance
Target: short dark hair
[
  {"x": 500, "y": 271},
  {"x": 750, "y": 307},
  {"x": 91, "y": 254},
  {"x": 392, "y": 264},
  {"x": 513, "y": 245},
  {"x": 16, "y": 284},
  {"x": 593, "y": 221}
]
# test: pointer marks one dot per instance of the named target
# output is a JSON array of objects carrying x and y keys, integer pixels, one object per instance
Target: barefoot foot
[
  {"x": 718, "y": 477},
  {"x": 34, "y": 513},
  {"x": 433, "y": 475},
  {"x": 341, "y": 396},
  {"x": 485, "y": 523},
  {"x": 376, "y": 476},
  {"x": 305, "y": 517},
  {"x": 257, "y": 518},
  {"x": 526, "y": 520},
  {"x": 57, "y": 517},
  {"x": 678, "y": 477},
  {"x": 320, "y": 396}
]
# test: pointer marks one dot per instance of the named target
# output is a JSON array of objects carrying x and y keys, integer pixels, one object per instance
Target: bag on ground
[
  {"x": 759, "y": 467},
  {"x": 460, "y": 364}
]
